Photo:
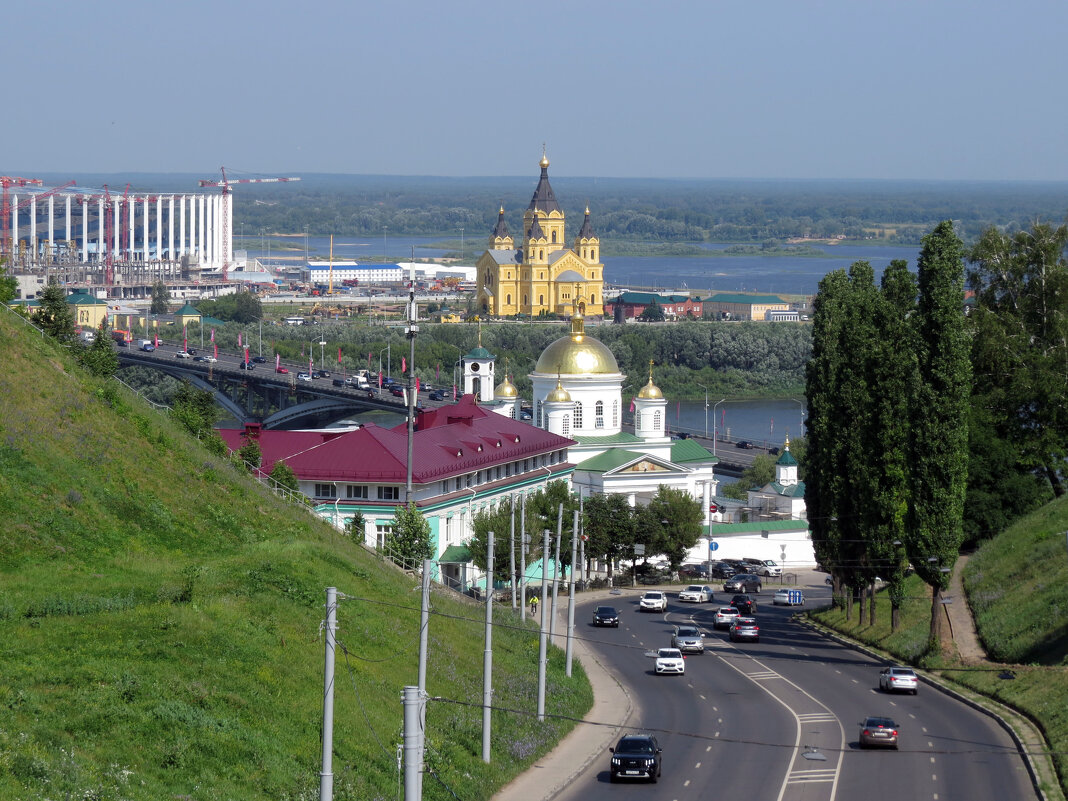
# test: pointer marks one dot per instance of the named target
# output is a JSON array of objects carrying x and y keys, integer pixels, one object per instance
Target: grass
[
  {"x": 160, "y": 613},
  {"x": 1017, "y": 588}
]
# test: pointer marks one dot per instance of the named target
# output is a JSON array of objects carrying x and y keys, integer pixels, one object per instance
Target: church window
[
  {"x": 541, "y": 300},
  {"x": 593, "y": 298},
  {"x": 524, "y": 300},
  {"x": 593, "y": 254},
  {"x": 567, "y": 427},
  {"x": 537, "y": 421},
  {"x": 584, "y": 253},
  {"x": 615, "y": 413},
  {"x": 541, "y": 254},
  {"x": 508, "y": 299},
  {"x": 656, "y": 421},
  {"x": 598, "y": 414},
  {"x": 578, "y": 415},
  {"x": 511, "y": 412},
  {"x": 554, "y": 236}
]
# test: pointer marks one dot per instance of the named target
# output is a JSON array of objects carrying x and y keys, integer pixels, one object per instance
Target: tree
[
  {"x": 679, "y": 518},
  {"x": 652, "y": 313},
  {"x": 54, "y": 315},
  {"x": 100, "y": 358},
  {"x": 249, "y": 454},
  {"x": 283, "y": 476},
  {"x": 355, "y": 527},
  {"x": 9, "y": 286},
  {"x": 499, "y": 521},
  {"x": 161, "y": 298},
  {"x": 938, "y": 453},
  {"x": 195, "y": 409},
  {"x": 608, "y": 523},
  {"x": 408, "y": 542}
]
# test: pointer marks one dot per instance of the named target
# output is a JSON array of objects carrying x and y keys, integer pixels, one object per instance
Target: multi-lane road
[{"x": 779, "y": 719}]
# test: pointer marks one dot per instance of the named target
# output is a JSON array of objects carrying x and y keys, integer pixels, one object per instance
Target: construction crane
[
  {"x": 8, "y": 181},
  {"x": 26, "y": 202},
  {"x": 224, "y": 184}
]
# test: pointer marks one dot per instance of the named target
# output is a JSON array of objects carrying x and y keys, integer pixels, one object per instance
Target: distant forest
[{"x": 626, "y": 211}]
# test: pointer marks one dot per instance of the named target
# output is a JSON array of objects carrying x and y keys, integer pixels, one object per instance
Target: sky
[{"x": 781, "y": 89}]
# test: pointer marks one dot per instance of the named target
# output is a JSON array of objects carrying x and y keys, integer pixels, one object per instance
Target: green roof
[
  {"x": 455, "y": 554},
  {"x": 212, "y": 321},
  {"x": 612, "y": 439},
  {"x": 786, "y": 459},
  {"x": 609, "y": 460},
  {"x": 479, "y": 353},
  {"x": 723, "y": 529},
  {"x": 84, "y": 299},
  {"x": 648, "y": 297},
  {"x": 187, "y": 310},
  {"x": 749, "y": 300},
  {"x": 689, "y": 450}
]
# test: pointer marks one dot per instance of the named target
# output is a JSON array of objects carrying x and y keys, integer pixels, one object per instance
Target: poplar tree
[{"x": 938, "y": 452}]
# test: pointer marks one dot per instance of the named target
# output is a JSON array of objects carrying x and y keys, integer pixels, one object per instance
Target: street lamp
[
  {"x": 702, "y": 386},
  {"x": 461, "y": 243},
  {"x": 715, "y": 429},
  {"x": 322, "y": 355},
  {"x": 801, "y": 412}
]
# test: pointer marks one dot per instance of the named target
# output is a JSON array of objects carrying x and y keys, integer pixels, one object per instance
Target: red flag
[
  {"x": 339, "y": 354},
  {"x": 404, "y": 365},
  {"x": 239, "y": 339},
  {"x": 454, "y": 392},
  {"x": 417, "y": 383},
  {"x": 213, "y": 335},
  {"x": 380, "y": 381},
  {"x": 246, "y": 355},
  {"x": 277, "y": 360},
  {"x": 632, "y": 405},
  {"x": 368, "y": 361},
  {"x": 156, "y": 337},
  {"x": 216, "y": 348},
  {"x": 437, "y": 371},
  {"x": 311, "y": 365}
]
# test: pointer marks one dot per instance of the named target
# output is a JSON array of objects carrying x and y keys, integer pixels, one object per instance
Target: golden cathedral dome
[
  {"x": 505, "y": 390},
  {"x": 577, "y": 354},
  {"x": 558, "y": 395},
  {"x": 651, "y": 391}
]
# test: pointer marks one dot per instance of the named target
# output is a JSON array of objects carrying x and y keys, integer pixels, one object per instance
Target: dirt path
[{"x": 965, "y": 638}]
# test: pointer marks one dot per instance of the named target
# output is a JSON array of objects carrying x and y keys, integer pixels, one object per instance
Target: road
[{"x": 739, "y": 723}]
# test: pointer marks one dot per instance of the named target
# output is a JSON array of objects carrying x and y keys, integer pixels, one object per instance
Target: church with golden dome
[{"x": 541, "y": 275}]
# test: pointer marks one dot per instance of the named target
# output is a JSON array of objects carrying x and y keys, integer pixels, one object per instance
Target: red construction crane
[
  {"x": 25, "y": 202},
  {"x": 109, "y": 233},
  {"x": 224, "y": 184},
  {"x": 9, "y": 181}
]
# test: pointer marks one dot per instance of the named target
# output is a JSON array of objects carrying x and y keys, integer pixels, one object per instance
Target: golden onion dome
[
  {"x": 505, "y": 390},
  {"x": 544, "y": 160},
  {"x": 577, "y": 354},
  {"x": 558, "y": 395},
  {"x": 651, "y": 391}
]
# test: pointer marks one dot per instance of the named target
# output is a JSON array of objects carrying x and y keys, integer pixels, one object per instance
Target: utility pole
[
  {"x": 413, "y": 746},
  {"x": 411, "y": 331},
  {"x": 544, "y": 637},
  {"x": 511, "y": 554},
  {"x": 326, "y": 775},
  {"x": 571, "y": 595},
  {"x": 556, "y": 570},
  {"x": 487, "y": 657},
  {"x": 523, "y": 558},
  {"x": 424, "y": 628}
]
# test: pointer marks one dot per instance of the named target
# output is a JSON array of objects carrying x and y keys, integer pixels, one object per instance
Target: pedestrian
[{"x": 533, "y": 605}]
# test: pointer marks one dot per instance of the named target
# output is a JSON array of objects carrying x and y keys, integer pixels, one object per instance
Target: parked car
[
  {"x": 437, "y": 395},
  {"x": 606, "y": 616},
  {"x": 526, "y": 416},
  {"x": 670, "y": 661},
  {"x": 259, "y": 359},
  {"x": 744, "y": 443},
  {"x": 696, "y": 593},
  {"x": 876, "y": 731},
  {"x": 724, "y": 616},
  {"x": 321, "y": 373},
  {"x": 688, "y": 639},
  {"x": 636, "y": 756},
  {"x": 788, "y": 598},
  {"x": 743, "y": 582},
  {"x": 767, "y": 568},
  {"x": 745, "y": 604},
  {"x": 653, "y": 601},
  {"x": 745, "y": 628},
  {"x": 898, "y": 678},
  {"x": 723, "y": 570},
  {"x": 694, "y": 571}
]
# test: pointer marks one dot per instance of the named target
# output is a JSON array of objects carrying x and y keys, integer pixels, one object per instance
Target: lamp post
[
  {"x": 305, "y": 247},
  {"x": 801, "y": 413},
  {"x": 322, "y": 355},
  {"x": 461, "y": 243},
  {"x": 715, "y": 430},
  {"x": 702, "y": 386}
]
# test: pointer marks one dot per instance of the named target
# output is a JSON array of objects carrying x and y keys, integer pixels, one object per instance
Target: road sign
[{"x": 712, "y": 546}]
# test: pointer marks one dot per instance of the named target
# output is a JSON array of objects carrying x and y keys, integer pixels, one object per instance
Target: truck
[{"x": 146, "y": 345}]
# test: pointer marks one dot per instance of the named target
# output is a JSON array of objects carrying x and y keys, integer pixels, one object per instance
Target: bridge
[{"x": 262, "y": 395}]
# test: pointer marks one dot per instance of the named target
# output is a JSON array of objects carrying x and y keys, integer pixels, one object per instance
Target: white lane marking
[
  {"x": 701, "y": 697},
  {"x": 934, "y": 777},
  {"x": 912, "y": 716},
  {"x": 923, "y": 729},
  {"x": 697, "y": 765},
  {"x": 932, "y": 760},
  {"x": 708, "y": 748},
  {"x": 686, "y": 783},
  {"x": 716, "y": 734},
  {"x": 930, "y": 744}
]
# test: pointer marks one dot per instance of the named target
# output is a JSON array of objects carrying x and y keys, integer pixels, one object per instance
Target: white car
[
  {"x": 696, "y": 593},
  {"x": 768, "y": 568},
  {"x": 183, "y": 355},
  {"x": 653, "y": 601},
  {"x": 670, "y": 660},
  {"x": 303, "y": 377},
  {"x": 788, "y": 598},
  {"x": 898, "y": 678},
  {"x": 724, "y": 616},
  {"x": 210, "y": 359}
]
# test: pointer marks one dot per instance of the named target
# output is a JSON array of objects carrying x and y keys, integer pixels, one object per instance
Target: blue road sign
[{"x": 712, "y": 546}]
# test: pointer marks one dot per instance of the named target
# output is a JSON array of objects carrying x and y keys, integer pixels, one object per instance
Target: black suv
[
  {"x": 606, "y": 616},
  {"x": 742, "y": 582},
  {"x": 636, "y": 756},
  {"x": 745, "y": 604}
]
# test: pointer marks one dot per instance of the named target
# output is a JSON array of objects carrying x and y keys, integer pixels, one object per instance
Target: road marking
[
  {"x": 930, "y": 744},
  {"x": 686, "y": 783},
  {"x": 708, "y": 748},
  {"x": 932, "y": 760},
  {"x": 701, "y": 697},
  {"x": 697, "y": 765},
  {"x": 934, "y": 777}
]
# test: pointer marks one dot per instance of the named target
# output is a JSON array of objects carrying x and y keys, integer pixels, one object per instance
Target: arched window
[
  {"x": 541, "y": 254},
  {"x": 593, "y": 298},
  {"x": 541, "y": 300},
  {"x": 656, "y": 421},
  {"x": 577, "y": 413},
  {"x": 524, "y": 300},
  {"x": 554, "y": 236},
  {"x": 615, "y": 413},
  {"x": 593, "y": 254},
  {"x": 598, "y": 414},
  {"x": 508, "y": 299}
]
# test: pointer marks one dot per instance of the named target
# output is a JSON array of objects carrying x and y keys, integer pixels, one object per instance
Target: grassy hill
[{"x": 160, "y": 613}]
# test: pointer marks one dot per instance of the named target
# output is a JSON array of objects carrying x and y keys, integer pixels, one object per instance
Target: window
[
  {"x": 541, "y": 254},
  {"x": 356, "y": 491},
  {"x": 537, "y": 420},
  {"x": 554, "y": 236},
  {"x": 508, "y": 299},
  {"x": 615, "y": 413},
  {"x": 458, "y": 484},
  {"x": 541, "y": 300},
  {"x": 382, "y": 532},
  {"x": 389, "y": 493},
  {"x": 593, "y": 254},
  {"x": 593, "y": 297},
  {"x": 325, "y": 491},
  {"x": 577, "y": 413},
  {"x": 567, "y": 426},
  {"x": 598, "y": 414},
  {"x": 656, "y": 421}
]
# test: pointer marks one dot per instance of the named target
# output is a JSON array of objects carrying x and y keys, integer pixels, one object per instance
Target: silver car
[
  {"x": 688, "y": 639},
  {"x": 901, "y": 679},
  {"x": 696, "y": 593}
]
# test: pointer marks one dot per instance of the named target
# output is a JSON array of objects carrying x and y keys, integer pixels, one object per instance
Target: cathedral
[{"x": 541, "y": 275}]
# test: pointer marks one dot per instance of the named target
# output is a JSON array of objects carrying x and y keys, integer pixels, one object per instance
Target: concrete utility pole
[
  {"x": 326, "y": 775},
  {"x": 487, "y": 657},
  {"x": 523, "y": 558},
  {"x": 424, "y": 629},
  {"x": 511, "y": 554},
  {"x": 544, "y": 637},
  {"x": 413, "y": 746},
  {"x": 556, "y": 570},
  {"x": 571, "y": 596}
]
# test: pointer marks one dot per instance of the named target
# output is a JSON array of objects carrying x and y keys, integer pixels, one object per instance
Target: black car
[
  {"x": 744, "y": 443},
  {"x": 606, "y": 616},
  {"x": 248, "y": 366},
  {"x": 742, "y": 582},
  {"x": 437, "y": 395},
  {"x": 745, "y": 604},
  {"x": 636, "y": 756},
  {"x": 339, "y": 382},
  {"x": 320, "y": 374},
  {"x": 693, "y": 571},
  {"x": 200, "y": 358},
  {"x": 259, "y": 359},
  {"x": 723, "y": 570}
]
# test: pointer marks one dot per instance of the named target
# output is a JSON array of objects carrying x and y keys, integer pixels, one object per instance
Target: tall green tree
[
  {"x": 9, "y": 285},
  {"x": 54, "y": 314},
  {"x": 679, "y": 518},
  {"x": 195, "y": 409},
  {"x": 608, "y": 522},
  {"x": 653, "y": 313},
  {"x": 938, "y": 453},
  {"x": 408, "y": 542},
  {"x": 161, "y": 298},
  {"x": 100, "y": 358}
]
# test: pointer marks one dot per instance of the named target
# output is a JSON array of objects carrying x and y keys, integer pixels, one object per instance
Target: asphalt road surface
[{"x": 739, "y": 724}]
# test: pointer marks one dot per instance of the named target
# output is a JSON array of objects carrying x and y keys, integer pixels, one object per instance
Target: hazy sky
[{"x": 712, "y": 88}]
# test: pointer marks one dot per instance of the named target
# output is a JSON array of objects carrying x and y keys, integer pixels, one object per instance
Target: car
[
  {"x": 744, "y": 628},
  {"x": 183, "y": 354},
  {"x": 723, "y": 570},
  {"x": 694, "y": 571},
  {"x": 877, "y": 731},
  {"x": 259, "y": 359},
  {"x": 397, "y": 391},
  {"x": 742, "y": 582},
  {"x": 339, "y": 382},
  {"x": 688, "y": 639},
  {"x": 281, "y": 369},
  {"x": 606, "y": 616},
  {"x": 744, "y": 443},
  {"x": 304, "y": 377},
  {"x": 752, "y": 565},
  {"x": 723, "y": 617},
  {"x": 745, "y": 604},
  {"x": 248, "y": 366},
  {"x": 653, "y": 601},
  {"x": 200, "y": 358},
  {"x": 768, "y": 568},
  {"x": 636, "y": 756},
  {"x": 526, "y": 416},
  {"x": 788, "y": 598},
  {"x": 696, "y": 593},
  {"x": 191, "y": 351},
  {"x": 320, "y": 373},
  {"x": 670, "y": 661},
  {"x": 898, "y": 678},
  {"x": 437, "y": 395}
]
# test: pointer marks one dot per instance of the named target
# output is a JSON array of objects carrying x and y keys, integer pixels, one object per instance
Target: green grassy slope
[{"x": 160, "y": 612}]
